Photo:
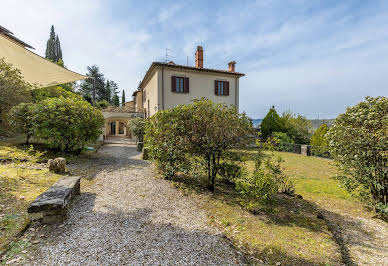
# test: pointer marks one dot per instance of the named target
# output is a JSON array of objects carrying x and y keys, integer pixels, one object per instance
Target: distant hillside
[
  {"x": 256, "y": 122},
  {"x": 315, "y": 122}
]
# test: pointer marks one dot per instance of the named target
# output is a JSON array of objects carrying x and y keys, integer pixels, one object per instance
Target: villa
[{"x": 166, "y": 85}]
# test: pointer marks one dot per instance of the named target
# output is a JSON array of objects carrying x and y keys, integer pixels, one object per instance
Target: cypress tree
[
  {"x": 53, "y": 48},
  {"x": 123, "y": 99},
  {"x": 58, "y": 49}
]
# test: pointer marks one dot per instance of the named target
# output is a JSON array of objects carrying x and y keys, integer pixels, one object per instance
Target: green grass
[
  {"x": 289, "y": 231},
  {"x": 20, "y": 184}
]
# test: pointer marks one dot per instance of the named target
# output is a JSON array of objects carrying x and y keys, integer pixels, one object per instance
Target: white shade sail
[{"x": 34, "y": 68}]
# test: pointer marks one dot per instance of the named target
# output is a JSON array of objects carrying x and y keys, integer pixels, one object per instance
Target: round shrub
[{"x": 68, "y": 124}]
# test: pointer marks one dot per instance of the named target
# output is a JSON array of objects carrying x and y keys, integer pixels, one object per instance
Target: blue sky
[{"x": 311, "y": 57}]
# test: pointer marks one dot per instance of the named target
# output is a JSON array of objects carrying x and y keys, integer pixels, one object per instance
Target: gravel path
[{"x": 128, "y": 217}]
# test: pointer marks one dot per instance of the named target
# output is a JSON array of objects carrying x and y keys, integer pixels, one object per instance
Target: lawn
[
  {"x": 21, "y": 181},
  {"x": 295, "y": 230}
]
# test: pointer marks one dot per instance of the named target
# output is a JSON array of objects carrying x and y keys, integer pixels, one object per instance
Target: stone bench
[{"x": 54, "y": 203}]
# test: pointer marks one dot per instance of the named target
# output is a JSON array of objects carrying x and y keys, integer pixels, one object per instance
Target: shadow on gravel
[
  {"x": 110, "y": 157},
  {"x": 109, "y": 235}
]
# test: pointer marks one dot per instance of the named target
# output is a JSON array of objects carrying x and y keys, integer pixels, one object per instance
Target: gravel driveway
[{"x": 126, "y": 216}]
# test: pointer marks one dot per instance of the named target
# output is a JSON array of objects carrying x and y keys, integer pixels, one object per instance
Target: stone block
[{"x": 58, "y": 165}]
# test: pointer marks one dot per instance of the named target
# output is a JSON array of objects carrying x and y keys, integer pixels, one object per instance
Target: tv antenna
[{"x": 168, "y": 55}]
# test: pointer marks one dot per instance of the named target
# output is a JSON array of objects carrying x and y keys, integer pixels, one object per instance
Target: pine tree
[
  {"x": 94, "y": 85},
  {"x": 123, "y": 98}
]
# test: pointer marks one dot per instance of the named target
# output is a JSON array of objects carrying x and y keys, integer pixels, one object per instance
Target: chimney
[
  {"x": 199, "y": 57},
  {"x": 232, "y": 67}
]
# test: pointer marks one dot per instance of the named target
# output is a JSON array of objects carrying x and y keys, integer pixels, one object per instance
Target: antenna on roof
[
  {"x": 167, "y": 55},
  {"x": 187, "y": 61}
]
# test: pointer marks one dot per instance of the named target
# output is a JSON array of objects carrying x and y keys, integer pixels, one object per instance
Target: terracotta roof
[
  {"x": 7, "y": 33},
  {"x": 169, "y": 65}
]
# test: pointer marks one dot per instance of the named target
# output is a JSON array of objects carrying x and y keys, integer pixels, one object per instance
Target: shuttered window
[
  {"x": 221, "y": 87},
  {"x": 180, "y": 84}
]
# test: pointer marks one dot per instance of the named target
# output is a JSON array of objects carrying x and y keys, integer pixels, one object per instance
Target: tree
[
  {"x": 202, "y": 128},
  {"x": 137, "y": 126},
  {"x": 319, "y": 137},
  {"x": 13, "y": 88},
  {"x": 68, "y": 124},
  {"x": 22, "y": 119},
  {"x": 297, "y": 127},
  {"x": 115, "y": 97},
  {"x": 108, "y": 90},
  {"x": 271, "y": 123},
  {"x": 358, "y": 142},
  {"x": 41, "y": 94},
  {"x": 53, "y": 48},
  {"x": 123, "y": 98},
  {"x": 94, "y": 87}
]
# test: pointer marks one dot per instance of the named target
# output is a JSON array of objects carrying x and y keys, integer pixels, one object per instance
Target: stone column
[
  {"x": 117, "y": 128},
  {"x": 125, "y": 129}
]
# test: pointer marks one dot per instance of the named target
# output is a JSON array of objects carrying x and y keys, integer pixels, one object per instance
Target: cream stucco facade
[{"x": 158, "y": 93}]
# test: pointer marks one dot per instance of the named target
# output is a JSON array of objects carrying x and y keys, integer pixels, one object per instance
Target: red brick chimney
[
  {"x": 199, "y": 57},
  {"x": 232, "y": 66}
]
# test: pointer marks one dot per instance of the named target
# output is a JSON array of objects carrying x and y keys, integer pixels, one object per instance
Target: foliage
[
  {"x": 68, "y": 124},
  {"x": 266, "y": 181},
  {"x": 281, "y": 141},
  {"x": 22, "y": 119},
  {"x": 41, "y": 94},
  {"x": 358, "y": 141},
  {"x": 202, "y": 128},
  {"x": 53, "y": 48},
  {"x": 102, "y": 104},
  {"x": 165, "y": 139},
  {"x": 116, "y": 100},
  {"x": 318, "y": 140},
  {"x": 123, "y": 98},
  {"x": 137, "y": 126},
  {"x": 94, "y": 87},
  {"x": 13, "y": 88},
  {"x": 232, "y": 166},
  {"x": 297, "y": 127},
  {"x": 271, "y": 123}
]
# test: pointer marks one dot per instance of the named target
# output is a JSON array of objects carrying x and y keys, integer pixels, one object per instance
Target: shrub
[
  {"x": 281, "y": 141},
  {"x": 203, "y": 129},
  {"x": 68, "y": 124},
  {"x": 271, "y": 123},
  {"x": 164, "y": 137},
  {"x": 297, "y": 127},
  {"x": 22, "y": 119},
  {"x": 40, "y": 94},
  {"x": 358, "y": 141},
  {"x": 13, "y": 89},
  {"x": 318, "y": 140},
  {"x": 102, "y": 104},
  {"x": 266, "y": 181},
  {"x": 137, "y": 126}
]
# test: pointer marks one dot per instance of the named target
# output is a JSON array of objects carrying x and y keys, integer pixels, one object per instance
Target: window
[
  {"x": 179, "y": 84},
  {"x": 221, "y": 87}
]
